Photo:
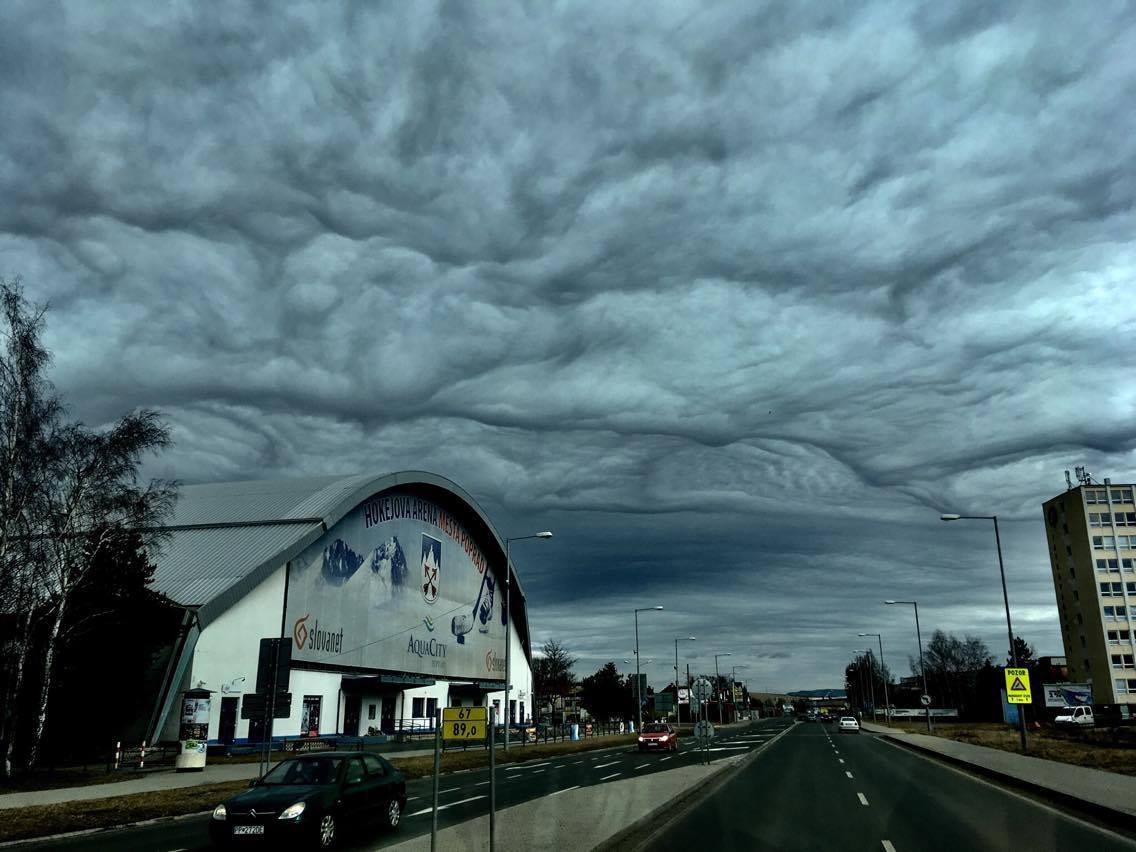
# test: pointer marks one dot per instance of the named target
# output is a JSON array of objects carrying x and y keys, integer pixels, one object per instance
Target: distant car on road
[
  {"x": 848, "y": 725},
  {"x": 658, "y": 736},
  {"x": 311, "y": 801}
]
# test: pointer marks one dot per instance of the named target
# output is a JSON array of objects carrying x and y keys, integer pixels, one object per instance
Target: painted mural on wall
[{"x": 398, "y": 584}]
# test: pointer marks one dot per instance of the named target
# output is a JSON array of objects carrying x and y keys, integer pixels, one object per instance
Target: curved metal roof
[{"x": 226, "y": 538}]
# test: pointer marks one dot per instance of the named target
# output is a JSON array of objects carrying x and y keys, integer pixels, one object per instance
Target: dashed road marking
[
  {"x": 443, "y": 807},
  {"x": 841, "y": 759},
  {"x": 643, "y": 766},
  {"x": 668, "y": 757},
  {"x": 863, "y": 799},
  {"x": 887, "y": 846},
  {"x": 849, "y": 774},
  {"x": 603, "y": 765},
  {"x": 565, "y": 790},
  {"x": 613, "y": 775}
]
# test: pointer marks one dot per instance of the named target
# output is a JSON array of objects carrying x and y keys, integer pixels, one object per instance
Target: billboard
[
  {"x": 398, "y": 584},
  {"x": 1067, "y": 694}
]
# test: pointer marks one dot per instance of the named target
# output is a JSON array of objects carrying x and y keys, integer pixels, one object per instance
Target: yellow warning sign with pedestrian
[{"x": 1018, "y": 686}]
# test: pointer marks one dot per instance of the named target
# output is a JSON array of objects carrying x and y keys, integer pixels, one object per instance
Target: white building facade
[{"x": 389, "y": 591}]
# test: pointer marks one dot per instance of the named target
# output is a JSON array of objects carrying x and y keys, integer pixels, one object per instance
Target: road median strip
[{"x": 111, "y": 812}]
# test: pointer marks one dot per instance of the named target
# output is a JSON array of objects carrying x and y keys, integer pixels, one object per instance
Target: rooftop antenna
[
  {"x": 1068, "y": 481},
  {"x": 1083, "y": 476}
]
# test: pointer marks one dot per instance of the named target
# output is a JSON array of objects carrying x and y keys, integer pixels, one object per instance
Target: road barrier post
[
  {"x": 492, "y": 776},
  {"x": 437, "y": 762}
]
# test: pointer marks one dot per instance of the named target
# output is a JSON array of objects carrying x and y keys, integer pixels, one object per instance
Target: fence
[{"x": 141, "y": 756}]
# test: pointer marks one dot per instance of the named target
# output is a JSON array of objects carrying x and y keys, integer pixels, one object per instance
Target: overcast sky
[{"x": 735, "y": 299}]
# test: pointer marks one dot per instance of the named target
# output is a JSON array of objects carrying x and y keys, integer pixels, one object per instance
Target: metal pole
[
  {"x": 1010, "y": 630},
  {"x": 437, "y": 767},
  {"x": 922, "y": 667},
  {"x": 717, "y": 688},
  {"x": 492, "y": 776},
  {"x": 508, "y": 639},
  {"x": 638, "y": 698},
  {"x": 887, "y": 703},
  {"x": 872, "y": 681}
]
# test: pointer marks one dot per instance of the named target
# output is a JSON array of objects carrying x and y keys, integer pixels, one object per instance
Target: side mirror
[{"x": 254, "y": 782}]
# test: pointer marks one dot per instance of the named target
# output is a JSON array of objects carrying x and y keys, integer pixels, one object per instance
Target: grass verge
[
  {"x": 1046, "y": 743},
  {"x": 45, "y": 820}
]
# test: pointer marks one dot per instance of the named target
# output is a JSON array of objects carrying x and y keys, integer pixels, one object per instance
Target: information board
[{"x": 465, "y": 723}]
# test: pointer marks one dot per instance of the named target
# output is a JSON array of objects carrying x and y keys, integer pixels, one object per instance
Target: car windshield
[
  {"x": 304, "y": 771},
  {"x": 655, "y": 729}
]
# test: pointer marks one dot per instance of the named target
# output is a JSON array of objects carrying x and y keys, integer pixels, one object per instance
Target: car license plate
[{"x": 248, "y": 829}]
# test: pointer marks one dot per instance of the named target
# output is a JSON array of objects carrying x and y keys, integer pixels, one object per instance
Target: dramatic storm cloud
[{"x": 735, "y": 299}]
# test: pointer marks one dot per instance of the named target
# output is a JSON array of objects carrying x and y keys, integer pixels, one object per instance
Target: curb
[
  {"x": 625, "y": 839},
  {"x": 1097, "y": 812},
  {"x": 87, "y": 832}
]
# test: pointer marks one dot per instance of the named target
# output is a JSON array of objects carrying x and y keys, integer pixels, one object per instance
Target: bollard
[
  {"x": 142, "y": 756},
  {"x": 117, "y": 753}
]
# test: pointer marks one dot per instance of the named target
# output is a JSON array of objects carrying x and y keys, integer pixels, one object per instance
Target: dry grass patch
[
  {"x": 41, "y": 820},
  {"x": 1046, "y": 743}
]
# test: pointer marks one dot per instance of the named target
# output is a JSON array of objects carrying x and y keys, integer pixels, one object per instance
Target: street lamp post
[
  {"x": 509, "y": 625},
  {"x": 1005, "y": 601},
  {"x": 678, "y": 713},
  {"x": 922, "y": 668},
  {"x": 718, "y": 683},
  {"x": 883, "y": 677},
  {"x": 638, "y": 697}
]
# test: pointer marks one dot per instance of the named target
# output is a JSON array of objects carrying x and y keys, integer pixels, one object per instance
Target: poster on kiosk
[{"x": 194, "y": 730}]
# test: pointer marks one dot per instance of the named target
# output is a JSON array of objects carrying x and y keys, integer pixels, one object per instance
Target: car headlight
[
  {"x": 293, "y": 811},
  {"x": 663, "y": 738},
  {"x": 641, "y": 739},
  {"x": 219, "y": 812}
]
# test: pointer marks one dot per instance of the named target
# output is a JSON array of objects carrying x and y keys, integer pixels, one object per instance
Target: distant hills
[{"x": 817, "y": 693}]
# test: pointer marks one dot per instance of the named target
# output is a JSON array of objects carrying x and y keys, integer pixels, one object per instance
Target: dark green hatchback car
[{"x": 312, "y": 801}]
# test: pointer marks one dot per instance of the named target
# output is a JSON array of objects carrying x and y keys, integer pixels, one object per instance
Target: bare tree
[
  {"x": 91, "y": 501},
  {"x": 29, "y": 414}
]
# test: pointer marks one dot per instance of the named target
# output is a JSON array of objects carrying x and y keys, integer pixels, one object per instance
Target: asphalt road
[
  {"x": 462, "y": 795},
  {"x": 816, "y": 788}
]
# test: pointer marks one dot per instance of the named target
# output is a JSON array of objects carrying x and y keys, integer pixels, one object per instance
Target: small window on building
[
  {"x": 1122, "y": 495},
  {"x": 1079, "y": 619},
  {"x": 432, "y": 707},
  {"x": 418, "y": 706},
  {"x": 1094, "y": 519},
  {"x": 1076, "y": 597},
  {"x": 1121, "y": 612},
  {"x": 1125, "y": 635},
  {"x": 371, "y": 709},
  {"x": 1127, "y": 563},
  {"x": 1109, "y": 612},
  {"x": 1121, "y": 686},
  {"x": 1102, "y": 564},
  {"x": 1083, "y": 640},
  {"x": 1113, "y": 637}
]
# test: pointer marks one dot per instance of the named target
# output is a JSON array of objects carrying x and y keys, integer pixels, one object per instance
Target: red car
[{"x": 658, "y": 736}]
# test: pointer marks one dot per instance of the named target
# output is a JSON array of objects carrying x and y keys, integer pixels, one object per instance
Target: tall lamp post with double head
[
  {"x": 718, "y": 683},
  {"x": 678, "y": 639},
  {"x": 922, "y": 668},
  {"x": 1005, "y": 600},
  {"x": 638, "y": 680},
  {"x": 883, "y": 677},
  {"x": 509, "y": 623}
]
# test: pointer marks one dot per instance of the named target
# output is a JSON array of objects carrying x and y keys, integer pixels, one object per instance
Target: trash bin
[{"x": 575, "y": 732}]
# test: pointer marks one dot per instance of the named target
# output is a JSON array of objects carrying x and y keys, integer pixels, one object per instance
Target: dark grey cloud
[{"x": 735, "y": 299}]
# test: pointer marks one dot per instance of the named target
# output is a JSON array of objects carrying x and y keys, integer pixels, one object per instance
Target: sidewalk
[{"x": 1107, "y": 794}]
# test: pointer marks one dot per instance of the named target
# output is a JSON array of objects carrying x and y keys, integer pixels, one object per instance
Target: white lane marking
[
  {"x": 602, "y": 765},
  {"x": 613, "y": 775},
  {"x": 863, "y": 799},
  {"x": 533, "y": 765},
  {"x": 577, "y": 787},
  {"x": 577, "y": 762},
  {"x": 538, "y": 772},
  {"x": 849, "y": 774},
  {"x": 841, "y": 759},
  {"x": 887, "y": 846},
  {"x": 451, "y": 790},
  {"x": 443, "y": 807},
  {"x": 478, "y": 784},
  {"x": 644, "y": 766},
  {"x": 728, "y": 748},
  {"x": 668, "y": 757},
  {"x": 412, "y": 798}
]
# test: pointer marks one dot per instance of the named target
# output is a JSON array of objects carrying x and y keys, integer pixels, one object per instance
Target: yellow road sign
[
  {"x": 465, "y": 723},
  {"x": 1018, "y": 686}
]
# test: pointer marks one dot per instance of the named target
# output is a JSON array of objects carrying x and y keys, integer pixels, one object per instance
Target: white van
[{"x": 1075, "y": 716}]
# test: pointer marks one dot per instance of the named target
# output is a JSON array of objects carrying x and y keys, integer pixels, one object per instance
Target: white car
[{"x": 848, "y": 724}]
